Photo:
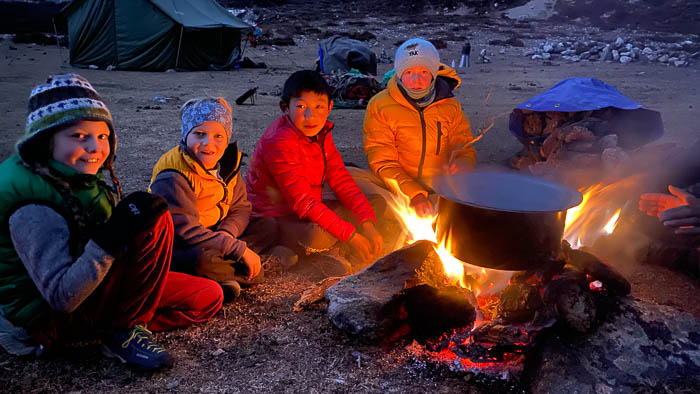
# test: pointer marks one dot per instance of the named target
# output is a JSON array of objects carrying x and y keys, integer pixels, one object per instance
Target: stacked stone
[{"x": 622, "y": 51}]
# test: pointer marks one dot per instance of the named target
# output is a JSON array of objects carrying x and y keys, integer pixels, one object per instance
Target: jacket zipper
[
  {"x": 218, "y": 204},
  {"x": 423, "y": 147},
  {"x": 323, "y": 153},
  {"x": 439, "y": 138}
]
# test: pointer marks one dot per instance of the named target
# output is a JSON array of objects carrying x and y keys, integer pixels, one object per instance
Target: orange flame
[
  {"x": 597, "y": 214},
  {"x": 482, "y": 281}
]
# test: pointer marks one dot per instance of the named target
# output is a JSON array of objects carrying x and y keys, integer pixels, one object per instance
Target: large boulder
[
  {"x": 644, "y": 348},
  {"x": 404, "y": 291}
]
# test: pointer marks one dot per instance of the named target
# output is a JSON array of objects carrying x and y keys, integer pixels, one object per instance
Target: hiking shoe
[
  {"x": 231, "y": 288},
  {"x": 136, "y": 348}
]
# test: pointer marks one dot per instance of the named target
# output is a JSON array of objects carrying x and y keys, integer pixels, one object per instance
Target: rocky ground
[{"x": 257, "y": 343}]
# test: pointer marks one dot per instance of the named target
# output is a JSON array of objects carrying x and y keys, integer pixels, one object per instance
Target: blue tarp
[
  {"x": 634, "y": 123},
  {"x": 579, "y": 94}
]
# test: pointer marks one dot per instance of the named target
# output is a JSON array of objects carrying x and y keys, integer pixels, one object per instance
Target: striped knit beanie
[{"x": 62, "y": 100}]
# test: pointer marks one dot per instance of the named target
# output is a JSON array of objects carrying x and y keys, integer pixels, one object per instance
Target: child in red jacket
[{"x": 292, "y": 161}]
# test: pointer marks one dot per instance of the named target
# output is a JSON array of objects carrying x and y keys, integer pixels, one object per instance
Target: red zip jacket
[{"x": 287, "y": 172}]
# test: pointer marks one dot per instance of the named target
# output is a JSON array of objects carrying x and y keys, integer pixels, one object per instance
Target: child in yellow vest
[{"x": 201, "y": 181}]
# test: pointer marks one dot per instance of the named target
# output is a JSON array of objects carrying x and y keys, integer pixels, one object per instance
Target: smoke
[{"x": 639, "y": 238}]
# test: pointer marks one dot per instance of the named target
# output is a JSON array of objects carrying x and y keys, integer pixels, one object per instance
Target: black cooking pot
[{"x": 502, "y": 221}]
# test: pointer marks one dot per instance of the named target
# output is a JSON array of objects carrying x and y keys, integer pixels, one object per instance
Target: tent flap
[{"x": 199, "y": 14}]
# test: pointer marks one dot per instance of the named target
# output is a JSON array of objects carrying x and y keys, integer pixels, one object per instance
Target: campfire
[{"x": 485, "y": 320}]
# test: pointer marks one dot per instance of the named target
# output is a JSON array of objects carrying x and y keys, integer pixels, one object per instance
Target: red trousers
[{"x": 139, "y": 289}]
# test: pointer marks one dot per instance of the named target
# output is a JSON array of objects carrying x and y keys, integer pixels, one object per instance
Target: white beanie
[{"x": 417, "y": 52}]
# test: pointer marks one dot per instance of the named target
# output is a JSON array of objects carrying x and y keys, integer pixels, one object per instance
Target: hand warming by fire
[{"x": 679, "y": 210}]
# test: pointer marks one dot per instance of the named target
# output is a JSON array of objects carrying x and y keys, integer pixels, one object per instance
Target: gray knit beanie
[{"x": 416, "y": 52}]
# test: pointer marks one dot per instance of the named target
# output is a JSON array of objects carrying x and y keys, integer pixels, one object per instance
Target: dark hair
[{"x": 304, "y": 81}]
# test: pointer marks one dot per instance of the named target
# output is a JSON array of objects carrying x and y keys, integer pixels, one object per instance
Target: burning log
[
  {"x": 589, "y": 264},
  {"x": 544, "y": 271},
  {"x": 431, "y": 312},
  {"x": 570, "y": 297},
  {"x": 499, "y": 334},
  {"x": 518, "y": 303}
]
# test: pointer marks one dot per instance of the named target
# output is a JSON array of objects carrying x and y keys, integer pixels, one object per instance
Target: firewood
[
  {"x": 518, "y": 303},
  {"x": 569, "y": 295},
  {"x": 552, "y": 144},
  {"x": 532, "y": 124},
  {"x": 314, "y": 294},
  {"x": 577, "y": 132},
  {"x": 581, "y": 146},
  {"x": 589, "y": 264},
  {"x": 499, "y": 334},
  {"x": 432, "y": 311},
  {"x": 553, "y": 120}
]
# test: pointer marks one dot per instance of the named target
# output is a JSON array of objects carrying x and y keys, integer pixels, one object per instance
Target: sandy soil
[{"x": 265, "y": 347}]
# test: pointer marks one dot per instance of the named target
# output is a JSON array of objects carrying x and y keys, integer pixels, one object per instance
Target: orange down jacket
[{"x": 411, "y": 145}]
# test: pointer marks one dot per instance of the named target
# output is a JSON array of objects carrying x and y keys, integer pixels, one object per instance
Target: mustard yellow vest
[{"x": 214, "y": 195}]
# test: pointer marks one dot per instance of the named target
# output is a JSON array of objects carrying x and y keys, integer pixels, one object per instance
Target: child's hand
[
  {"x": 252, "y": 261},
  {"x": 685, "y": 219},
  {"x": 370, "y": 232},
  {"x": 422, "y": 206},
  {"x": 450, "y": 168},
  {"x": 361, "y": 246},
  {"x": 655, "y": 203},
  {"x": 134, "y": 214}
]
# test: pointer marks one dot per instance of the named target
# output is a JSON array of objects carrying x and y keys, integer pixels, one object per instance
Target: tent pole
[
  {"x": 58, "y": 44},
  {"x": 179, "y": 43}
]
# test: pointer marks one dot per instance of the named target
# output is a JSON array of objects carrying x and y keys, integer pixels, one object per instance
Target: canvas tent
[{"x": 151, "y": 35}]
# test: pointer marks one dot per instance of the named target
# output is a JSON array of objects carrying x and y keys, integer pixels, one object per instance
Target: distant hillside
[{"x": 680, "y": 16}]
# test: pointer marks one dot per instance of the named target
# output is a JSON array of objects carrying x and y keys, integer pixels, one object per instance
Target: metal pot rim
[{"x": 506, "y": 192}]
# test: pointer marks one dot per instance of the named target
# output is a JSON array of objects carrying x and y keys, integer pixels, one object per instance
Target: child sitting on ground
[
  {"x": 201, "y": 182},
  {"x": 415, "y": 129},
  {"x": 73, "y": 261},
  {"x": 292, "y": 161}
]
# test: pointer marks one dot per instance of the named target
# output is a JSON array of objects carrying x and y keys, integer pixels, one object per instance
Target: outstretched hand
[
  {"x": 654, "y": 203},
  {"x": 680, "y": 210}
]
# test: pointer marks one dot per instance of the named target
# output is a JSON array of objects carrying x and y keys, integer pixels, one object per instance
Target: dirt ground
[{"x": 257, "y": 343}]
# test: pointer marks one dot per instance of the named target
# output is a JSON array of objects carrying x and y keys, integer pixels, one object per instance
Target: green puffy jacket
[{"x": 20, "y": 300}]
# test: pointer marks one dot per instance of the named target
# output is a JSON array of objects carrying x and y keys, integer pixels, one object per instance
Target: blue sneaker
[{"x": 136, "y": 348}]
